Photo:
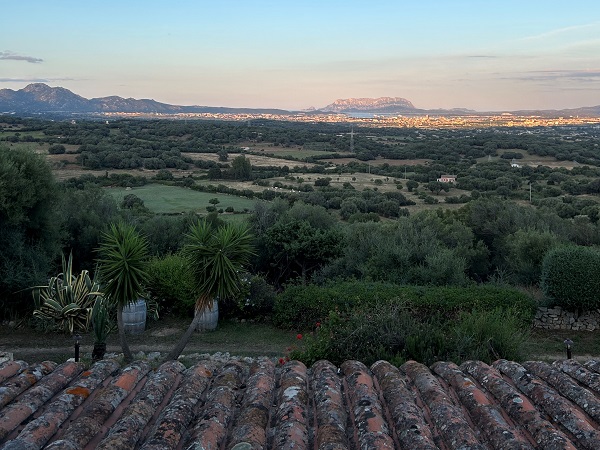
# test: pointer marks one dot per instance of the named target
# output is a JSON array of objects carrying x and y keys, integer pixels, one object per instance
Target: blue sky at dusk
[{"x": 483, "y": 55}]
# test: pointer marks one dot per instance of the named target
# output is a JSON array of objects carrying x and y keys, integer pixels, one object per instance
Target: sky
[{"x": 485, "y": 55}]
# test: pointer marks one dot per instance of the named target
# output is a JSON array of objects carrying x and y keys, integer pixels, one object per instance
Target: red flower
[
  {"x": 281, "y": 361},
  {"x": 318, "y": 324},
  {"x": 298, "y": 336}
]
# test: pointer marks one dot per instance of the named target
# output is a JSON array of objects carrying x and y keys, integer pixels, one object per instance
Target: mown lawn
[
  {"x": 548, "y": 345},
  {"x": 161, "y": 199},
  {"x": 240, "y": 339}
]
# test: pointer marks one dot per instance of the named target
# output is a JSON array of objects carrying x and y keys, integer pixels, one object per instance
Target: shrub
[
  {"x": 255, "y": 301},
  {"x": 57, "y": 149},
  {"x": 570, "y": 277},
  {"x": 172, "y": 284},
  {"x": 300, "y": 307},
  {"x": 525, "y": 250},
  {"x": 386, "y": 330}
]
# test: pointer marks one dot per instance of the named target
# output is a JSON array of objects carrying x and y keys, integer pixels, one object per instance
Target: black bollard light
[
  {"x": 568, "y": 343},
  {"x": 76, "y": 339}
]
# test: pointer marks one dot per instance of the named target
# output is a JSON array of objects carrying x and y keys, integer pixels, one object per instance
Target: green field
[
  {"x": 162, "y": 199},
  {"x": 35, "y": 134}
]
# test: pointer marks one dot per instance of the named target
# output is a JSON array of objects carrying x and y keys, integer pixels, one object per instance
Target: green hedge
[
  {"x": 386, "y": 330},
  {"x": 571, "y": 277},
  {"x": 172, "y": 284},
  {"x": 300, "y": 307}
]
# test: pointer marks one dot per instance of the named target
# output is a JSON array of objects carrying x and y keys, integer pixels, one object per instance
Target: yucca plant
[
  {"x": 217, "y": 258},
  {"x": 123, "y": 255},
  {"x": 67, "y": 301}
]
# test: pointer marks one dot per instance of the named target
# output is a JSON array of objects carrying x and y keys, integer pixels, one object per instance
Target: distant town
[{"x": 398, "y": 121}]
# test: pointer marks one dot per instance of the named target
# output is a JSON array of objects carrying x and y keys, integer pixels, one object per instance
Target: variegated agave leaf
[{"x": 67, "y": 300}]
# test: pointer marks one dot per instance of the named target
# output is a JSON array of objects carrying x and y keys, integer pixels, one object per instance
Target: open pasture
[
  {"x": 162, "y": 199},
  {"x": 256, "y": 161},
  {"x": 64, "y": 172},
  {"x": 298, "y": 153},
  {"x": 309, "y": 149},
  {"x": 380, "y": 161},
  {"x": 5, "y": 132},
  {"x": 532, "y": 160}
]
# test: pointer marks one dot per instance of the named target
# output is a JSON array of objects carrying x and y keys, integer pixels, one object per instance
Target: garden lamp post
[
  {"x": 568, "y": 344},
  {"x": 76, "y": 339}
]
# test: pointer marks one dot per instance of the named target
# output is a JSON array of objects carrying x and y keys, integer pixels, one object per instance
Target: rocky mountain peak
[{"x": 381, "y": 104}]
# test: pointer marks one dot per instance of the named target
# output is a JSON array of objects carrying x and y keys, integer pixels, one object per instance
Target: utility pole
[{"x": 529, "y": 192}]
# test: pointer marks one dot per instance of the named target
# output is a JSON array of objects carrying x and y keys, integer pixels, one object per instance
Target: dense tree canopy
[{"x": 29, "y": 224}]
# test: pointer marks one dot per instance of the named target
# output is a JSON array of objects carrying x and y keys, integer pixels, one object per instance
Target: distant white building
[
  {"x": 447, "y": 179},
  {"x": 513, "y": 163}
]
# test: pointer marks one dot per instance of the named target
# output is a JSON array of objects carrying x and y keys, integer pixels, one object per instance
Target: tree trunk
[
  {"x": 122, "y": 338},
  {"x": 174, "y": 354}
]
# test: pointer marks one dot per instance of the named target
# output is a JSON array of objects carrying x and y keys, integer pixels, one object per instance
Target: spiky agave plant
[{"x": 68, "y": 299}]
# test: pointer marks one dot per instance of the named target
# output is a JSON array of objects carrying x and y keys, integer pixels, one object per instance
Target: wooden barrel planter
[
  {"x": 134, "y": 317},
  {"x": 209, "y": 318}
]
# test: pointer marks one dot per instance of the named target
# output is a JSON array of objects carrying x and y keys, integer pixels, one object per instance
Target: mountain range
[{"x": 40, "y": 98}]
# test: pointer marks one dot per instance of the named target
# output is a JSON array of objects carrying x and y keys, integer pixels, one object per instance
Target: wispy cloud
[
  {"x": 556, "y": 75},
  {"x": 559, "y": 31},
  {"x": 16, "y": 57},
  {"x": 34, "y": 80},
  {"x": 482, "y": 56}
]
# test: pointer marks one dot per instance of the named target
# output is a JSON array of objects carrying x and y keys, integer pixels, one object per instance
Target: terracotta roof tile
[
  {"x": 11, "y": 368},
  {"x": 448, "y": 417},
  {"x": 180, "y": 411},
  {"x": 251, "y": 423},
  {"x": 518, "y": 406},
  {"x": 291, "y": 418},
  {"x": 254, "y": 404},
  {"x": 23, "y": 381},
  {"x": 107, "y": 400},
  {"x": 365, "y": 408},
  {"x": 32, "y": 399},
  {"x": 331, "y": 415},
  {"x": 550, "y": 401},
  {"x": 408, "y": 420},
  {"x": 39, "y": 431},
  {"x": 128, "y": 429},
  {"x": 499, "y": 429}
]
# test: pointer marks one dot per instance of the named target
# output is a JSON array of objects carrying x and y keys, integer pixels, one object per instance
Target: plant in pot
[
  {"x": 101, "y": 328},
  {"x": 217, "y": 258}
]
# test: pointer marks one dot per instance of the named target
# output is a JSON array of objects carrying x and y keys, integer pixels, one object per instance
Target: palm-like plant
[
  {"x": 122, "y": 256},
  {"x": 101, "y": 327},
  {"x": 68, "y": 299},
  {"x": 217, "y": 258}
]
